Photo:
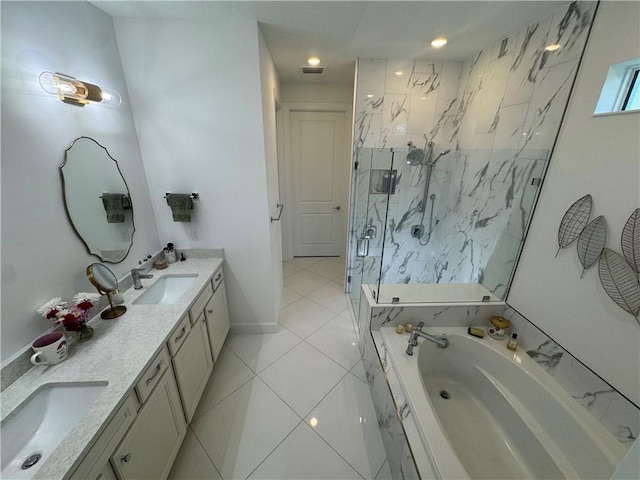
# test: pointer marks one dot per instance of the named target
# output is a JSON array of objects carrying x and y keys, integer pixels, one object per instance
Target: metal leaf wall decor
[
  {"x": 631, "y": 240},
  {"x": 574, "y": 221},
  {"x": 620, "y": 281},
  {"x": 591, "y": 242}
]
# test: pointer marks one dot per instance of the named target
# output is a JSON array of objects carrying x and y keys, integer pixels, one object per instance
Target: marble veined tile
[
  {"x": 569, "y": 29},
  {"x": 622, "y": 418},
  {"x": 304, "y": 455}
]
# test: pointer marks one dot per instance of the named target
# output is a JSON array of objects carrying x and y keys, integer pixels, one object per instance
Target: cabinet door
[
  {"x": 217, "y": 319},
  {"x": 152, "y": 443},
  {"x": 193, "y": 365}
]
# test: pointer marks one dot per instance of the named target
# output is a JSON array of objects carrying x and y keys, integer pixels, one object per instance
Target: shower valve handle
[{"x": 337, "y": 208}]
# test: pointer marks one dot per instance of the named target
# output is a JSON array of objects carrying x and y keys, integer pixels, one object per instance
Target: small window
[
  {"x": 620, "y": 90},
  {"x": 632, "y": 99}
]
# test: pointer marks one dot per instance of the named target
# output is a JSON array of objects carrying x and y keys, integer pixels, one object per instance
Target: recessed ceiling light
[
  {"x": 438, "y": 42},
  {"x": 423, "y": 98},
  {"x": 399, "y": 73},
  {"x": 313, "y": 61},
  {"x": 552, "y": 48},
  {"x": 370, "y": 95}
]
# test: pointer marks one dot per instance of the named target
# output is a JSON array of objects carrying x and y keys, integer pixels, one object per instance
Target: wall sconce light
[{"x": 75, "y": 92}]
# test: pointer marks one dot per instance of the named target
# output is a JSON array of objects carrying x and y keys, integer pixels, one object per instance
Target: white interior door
[{"x": 318, "y": 168}]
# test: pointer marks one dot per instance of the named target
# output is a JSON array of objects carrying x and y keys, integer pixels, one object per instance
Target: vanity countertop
[{"x": 118, "y": 353}]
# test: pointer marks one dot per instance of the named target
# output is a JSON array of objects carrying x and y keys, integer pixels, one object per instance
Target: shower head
[
  {"x": 415, "y": 156},
  {"x": 442, "y": 154}
]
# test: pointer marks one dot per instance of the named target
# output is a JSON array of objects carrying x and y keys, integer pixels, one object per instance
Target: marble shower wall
[{"x": 499, "y": 113}]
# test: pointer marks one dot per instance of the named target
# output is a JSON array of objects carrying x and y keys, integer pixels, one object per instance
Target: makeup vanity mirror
[
  {"x": 97, "y": 200},
  {"x": 105, "y": 282}
]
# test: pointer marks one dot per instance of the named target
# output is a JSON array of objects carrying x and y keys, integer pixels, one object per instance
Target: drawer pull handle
[
  {"x": 210, "y": 311},
  {"x": 155, "y": 374},
  {"x": 182, "y": 333},
  {"x": 218, "y": 277},
  {"x": 126, "y": 458}
]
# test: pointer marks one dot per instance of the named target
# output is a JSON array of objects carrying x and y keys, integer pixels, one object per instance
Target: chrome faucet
[
  {"x": 441, "y": 342},
  {"x": 136, "y": 275}
]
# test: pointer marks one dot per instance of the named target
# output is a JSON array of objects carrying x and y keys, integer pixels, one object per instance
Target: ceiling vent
[{"x": 317, "y": 69}]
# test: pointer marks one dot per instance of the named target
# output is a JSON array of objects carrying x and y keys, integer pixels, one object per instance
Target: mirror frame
[
  {"x": 115, "y": 310},
  {"x": 66, "y": 207}
]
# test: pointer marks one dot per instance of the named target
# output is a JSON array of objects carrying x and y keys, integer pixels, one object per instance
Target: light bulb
[
  {"x": 313, "y": 61},
  {"x": 438, "y": 42},
  {"x": 552, "y": 48},
  {"x": 111, "y": 97}
]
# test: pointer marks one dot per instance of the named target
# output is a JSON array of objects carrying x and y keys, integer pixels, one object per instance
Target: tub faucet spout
[{"x": 441, "y": 342}]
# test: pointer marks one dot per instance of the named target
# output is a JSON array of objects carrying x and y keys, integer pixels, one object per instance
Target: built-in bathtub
[{"x": 482, "y": 411}]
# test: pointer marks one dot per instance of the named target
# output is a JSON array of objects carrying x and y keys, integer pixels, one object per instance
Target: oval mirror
[
  {"x": 105, "y": 281},
  {"x": 97, "y": 200}
]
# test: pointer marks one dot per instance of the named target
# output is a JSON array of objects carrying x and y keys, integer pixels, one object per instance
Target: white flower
[
  {"x": 55, "y": 303},
  {"x": 86, "y": 297}
]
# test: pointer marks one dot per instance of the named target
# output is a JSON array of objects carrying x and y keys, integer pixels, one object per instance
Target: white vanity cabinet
[
  {"x": 150, "y": 446},
  {"x": 217, "y": 314},
  {"x": 96, "y": 465},
  {"x": 192, "y": 362}
]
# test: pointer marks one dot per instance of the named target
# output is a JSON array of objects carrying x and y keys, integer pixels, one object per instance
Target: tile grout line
[
  {"x": 204, "y": 450},
  {"x": 231, "y": 393}
]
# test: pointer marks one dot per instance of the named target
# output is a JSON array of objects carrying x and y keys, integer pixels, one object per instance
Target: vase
[{"x": 85, "y": 333}]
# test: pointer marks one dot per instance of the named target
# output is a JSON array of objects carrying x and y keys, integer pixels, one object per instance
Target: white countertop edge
[{"x": 118, "y": 353}]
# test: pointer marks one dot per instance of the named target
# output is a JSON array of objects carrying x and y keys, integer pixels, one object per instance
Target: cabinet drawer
[
  {"x": 179, "y": 335},
  {"x": 218, "y": 277},
  {"x": 152, "y": 374},
  {"x": 198, "y": 306},
  {"x": 98, "y": 457}
]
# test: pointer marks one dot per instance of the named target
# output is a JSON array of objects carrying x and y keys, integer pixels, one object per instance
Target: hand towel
[
  {"x": 181, "y": 205},
  {"x": 114, "y": 206}
]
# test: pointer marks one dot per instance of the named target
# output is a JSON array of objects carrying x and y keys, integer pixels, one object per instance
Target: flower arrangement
[{"x": 73, "y": 316}]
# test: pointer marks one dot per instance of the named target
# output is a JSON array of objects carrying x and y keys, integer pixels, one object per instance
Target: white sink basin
[
  {"x": 41, "y": 422},
  {"x": 166, "y": 290}
]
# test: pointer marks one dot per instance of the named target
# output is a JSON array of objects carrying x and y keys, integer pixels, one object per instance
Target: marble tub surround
[
  {"x": 118, "y": 354},
  {"x": 499, "y": 112},
  {"x": 546, "y": 408},
  {"x": 620, "y": 416},
  {"x": 392, "y": 412}
]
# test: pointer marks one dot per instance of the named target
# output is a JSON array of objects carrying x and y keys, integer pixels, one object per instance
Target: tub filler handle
[{"x": 441, "y": 342}]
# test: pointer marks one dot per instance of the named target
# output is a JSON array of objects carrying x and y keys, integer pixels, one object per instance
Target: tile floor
[{"x": 294, "y": 404}]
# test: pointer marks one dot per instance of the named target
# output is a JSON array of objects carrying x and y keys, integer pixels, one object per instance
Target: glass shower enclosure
[{"x": 455, "y": 223}]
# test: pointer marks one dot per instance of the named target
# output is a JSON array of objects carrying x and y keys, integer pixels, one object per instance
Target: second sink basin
[
  {"x": 166, "y": 290},
  {"x": 33, "y": 431}
]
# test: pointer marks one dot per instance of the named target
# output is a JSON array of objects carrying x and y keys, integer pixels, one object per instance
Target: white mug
[{"x": 50, "y": 349}]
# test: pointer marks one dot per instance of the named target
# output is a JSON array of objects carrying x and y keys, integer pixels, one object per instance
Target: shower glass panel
[
  {"x": 372, "y": 179},
  {"x": 468, "y": 236}
]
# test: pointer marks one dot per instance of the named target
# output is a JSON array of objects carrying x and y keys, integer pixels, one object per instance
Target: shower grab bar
[{"x": 280, "y": 206}]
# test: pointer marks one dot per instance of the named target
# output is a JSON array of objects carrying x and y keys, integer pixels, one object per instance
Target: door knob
[{"x": 337, "y": 208}]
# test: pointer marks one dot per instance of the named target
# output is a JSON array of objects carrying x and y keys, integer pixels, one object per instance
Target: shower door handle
[
  {"x": 362, "y": 249},
  {"x": 337, "y": 208}
]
